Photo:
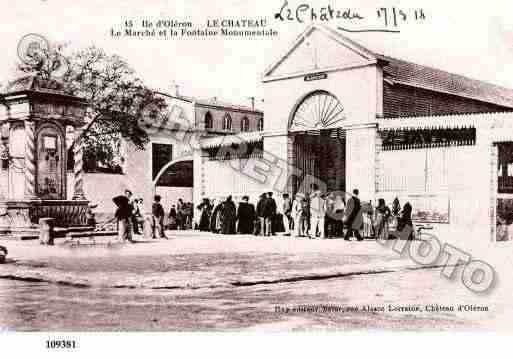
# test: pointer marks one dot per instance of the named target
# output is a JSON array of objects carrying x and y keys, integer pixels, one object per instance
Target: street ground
[{"x": 202, "y": 281}]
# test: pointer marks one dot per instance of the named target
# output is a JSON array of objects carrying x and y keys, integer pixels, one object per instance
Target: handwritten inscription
[
  {"x": 384, "y": 19},
  {"x": 305, "y": 12}
]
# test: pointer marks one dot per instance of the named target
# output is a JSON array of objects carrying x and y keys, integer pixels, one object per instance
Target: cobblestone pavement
[{"x": 200, "y": 281}]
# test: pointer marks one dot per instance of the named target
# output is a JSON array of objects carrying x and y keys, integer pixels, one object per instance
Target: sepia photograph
[{"x": 255, "y": 167}]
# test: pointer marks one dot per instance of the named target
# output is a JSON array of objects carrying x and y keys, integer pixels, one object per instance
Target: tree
[{"x": 118, "y": 100}]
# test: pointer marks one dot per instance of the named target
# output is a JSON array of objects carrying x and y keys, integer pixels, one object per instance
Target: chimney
[
  {"x": 176, "y": 89},
  {"x": 252, "y": 98}
]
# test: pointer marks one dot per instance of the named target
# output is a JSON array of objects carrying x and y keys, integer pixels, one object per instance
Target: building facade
[
  {"x": 342, "y": 116},
  {"x": 339, "y": 115}
]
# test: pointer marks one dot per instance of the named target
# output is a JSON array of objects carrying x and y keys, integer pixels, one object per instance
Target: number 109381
[{"x": 60, "y": 344}]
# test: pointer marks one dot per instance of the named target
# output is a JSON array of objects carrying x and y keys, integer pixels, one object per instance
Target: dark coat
[
  {"x": 269, "y": 208},
  {"x": 206, "y": 211},
  {"x": 229, "y": 216},
  {"x": 353, "y": 213},
  {"x": 405, "y": 218},
  {"x": 124, "y": 209},
  {"x": 246, "y": 217},
  {"x": 157, "y": 210},
  {"x": 260, "y": 210}
]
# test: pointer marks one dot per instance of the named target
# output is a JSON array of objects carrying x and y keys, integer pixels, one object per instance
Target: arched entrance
[
  {"x": 175, "y": 181},
  {"x": 318, "y": 142}
]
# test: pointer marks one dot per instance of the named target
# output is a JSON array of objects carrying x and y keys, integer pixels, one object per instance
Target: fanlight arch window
[
  {"x": 244, "y": 124},
  {"x": 227, "y": 122},
  {"x": 209, "y": 123},
  {"x": 260, "y": 124},
  {"x": 318, "y": 110}
]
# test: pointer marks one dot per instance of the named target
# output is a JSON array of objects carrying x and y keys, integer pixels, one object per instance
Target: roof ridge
[
  {"x": 395, "y": 58},
  {"x": 206, "y": 101}
]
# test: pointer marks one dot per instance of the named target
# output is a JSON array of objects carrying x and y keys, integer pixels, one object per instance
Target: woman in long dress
[
  {"x": 215, "y": 219},
  {"x": 382, "y": 217},
  {"x": 405, "y": 220},
  {"x": 206, "y": 210}
]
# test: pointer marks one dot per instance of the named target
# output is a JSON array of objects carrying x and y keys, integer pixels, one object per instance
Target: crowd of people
[
  {"x": 130, "y": 219},
  {"x": 314, "y": 215},
  {"x": 180, "y": 215}
]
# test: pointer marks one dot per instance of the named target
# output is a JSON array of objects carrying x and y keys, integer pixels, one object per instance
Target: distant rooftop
[{"x": 213, "y": 102}]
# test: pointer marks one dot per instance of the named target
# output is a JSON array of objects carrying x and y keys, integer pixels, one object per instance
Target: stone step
[
  {"x": 90, "y": 238},
  {"x": 91, "y": 234},
  {"x": 59, "y": 232}
]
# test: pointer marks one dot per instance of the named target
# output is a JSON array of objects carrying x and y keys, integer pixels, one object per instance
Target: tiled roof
[
  {"x": 429, "y": 78},
  {"x": 442, "y": 81}
]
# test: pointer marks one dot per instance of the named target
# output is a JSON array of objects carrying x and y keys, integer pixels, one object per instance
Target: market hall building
[{"x": 338, "y": 114}]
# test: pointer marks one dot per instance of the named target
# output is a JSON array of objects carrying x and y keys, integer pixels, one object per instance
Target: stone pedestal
[{"x": 22, "y": 217}]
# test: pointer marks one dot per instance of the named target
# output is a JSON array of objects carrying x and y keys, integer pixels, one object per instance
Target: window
[
  {"x": 244, "y": 124},
  {"x": 208, "y": 121},
  {"x": 227, "y": 122},
  {"x": 261, "y": 124},
  {"x": 161, "y": 155}
]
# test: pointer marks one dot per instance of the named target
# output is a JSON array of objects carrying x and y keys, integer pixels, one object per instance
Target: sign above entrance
[{"x": 317, "y": 76}]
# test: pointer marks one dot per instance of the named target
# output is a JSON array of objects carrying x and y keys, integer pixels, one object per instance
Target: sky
[{"x": 472, "y": 39}]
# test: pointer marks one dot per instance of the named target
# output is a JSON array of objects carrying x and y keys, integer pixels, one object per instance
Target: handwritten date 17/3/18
[
  {"x": 61, "y": 344},
  {"x": 390, "y": 16},
  {"x": 394, "y": 16}
]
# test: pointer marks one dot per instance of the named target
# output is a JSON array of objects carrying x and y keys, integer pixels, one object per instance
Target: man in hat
[
  {"x": 317, "y": 213},
  {"x": 353, "y": 217},
  {"x": 131, "y": 208},
  {"x": 297, "y": 213},
  {"x": 260, "y": 211},
  {"x": 157, "y": 212},
  {"x": 270, "y": 215},
  {"x": 286, "y": 213}
]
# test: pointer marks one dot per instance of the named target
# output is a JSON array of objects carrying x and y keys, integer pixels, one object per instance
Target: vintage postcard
[{"x": 196, "y": 166}]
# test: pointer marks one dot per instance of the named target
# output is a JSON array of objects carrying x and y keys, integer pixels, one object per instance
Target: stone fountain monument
[{"x": 34, "y": 116}]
